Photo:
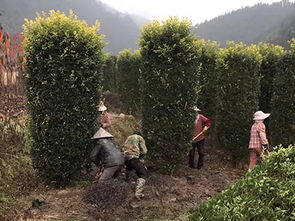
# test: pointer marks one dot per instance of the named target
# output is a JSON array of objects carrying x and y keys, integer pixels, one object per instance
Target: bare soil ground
[{"x": 166, "y": 197}]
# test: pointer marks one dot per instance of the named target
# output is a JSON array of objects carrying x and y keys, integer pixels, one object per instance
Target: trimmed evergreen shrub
[
  {"x": 271, "y": 55},
  {"x": 282, "y": 120},
  {"x": 170, "y": 56},
  {"x": 129, "y": 80},
  {"x": 207, "y": 80},
  {"x": 63, "y": 72},
  {"x": 109, "y": 81},
  {"x": 238, "y": 94},
  {"x": 266, "y": 193}
]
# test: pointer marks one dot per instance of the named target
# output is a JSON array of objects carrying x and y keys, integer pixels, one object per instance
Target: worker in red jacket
[{"x": 202, "y": 124}]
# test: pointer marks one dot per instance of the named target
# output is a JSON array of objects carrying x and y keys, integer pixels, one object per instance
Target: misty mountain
[
  {"x": 120, "y": 29},
  {"x": 249, "y": 25},
  {"x": 285, "y": 32},
  {"x": 139, "y": 20}
]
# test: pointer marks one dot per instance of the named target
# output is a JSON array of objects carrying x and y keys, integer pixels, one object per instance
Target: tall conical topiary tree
[
  {"x": 63, "y": 63},
  {"x": 170, "y": 56}
]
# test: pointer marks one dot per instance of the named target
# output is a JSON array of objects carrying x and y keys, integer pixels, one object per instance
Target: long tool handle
[{"x": 198, "y": 135}]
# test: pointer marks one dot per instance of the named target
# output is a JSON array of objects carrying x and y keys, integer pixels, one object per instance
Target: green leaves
[
  {"x": 170, "y": 59},
  {"x": 63, "y": 69},
  {"x": 282, "y": 120},
  {"x": 271, "y": 55},
  {"x": 129, "y": 77},
  {"x": 238, "y": 93},
  {"x": 266, "y": 193}
]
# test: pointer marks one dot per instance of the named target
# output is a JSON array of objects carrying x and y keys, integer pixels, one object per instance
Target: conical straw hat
[
  {"x": 101, "y": 133},
  {"x": 102, "y": 107}
]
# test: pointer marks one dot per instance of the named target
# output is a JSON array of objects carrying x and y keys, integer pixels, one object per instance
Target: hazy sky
[{"x": 195, "y": 10}]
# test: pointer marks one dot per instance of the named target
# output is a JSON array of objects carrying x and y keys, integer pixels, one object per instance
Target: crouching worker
[
  {"x": 106, "y": 154},
  {"x": 134, "y": 150}
]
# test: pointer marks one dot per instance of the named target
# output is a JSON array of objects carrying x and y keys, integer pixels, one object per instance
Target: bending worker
[
  {"x": 106, "y": 154},
  {"x": 134, "y": 150}
]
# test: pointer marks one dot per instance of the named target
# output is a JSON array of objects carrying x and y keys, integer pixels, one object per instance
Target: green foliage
[
  {"x": 63, "y": 72},
  {"x": 129, "y": 80},
  {"x": 207, "y": 79},
  {"x": 170, "y": 58},
  {"x": 282, "y": 121},
  {"x": 271, "y": 55},
  {"x": 266, "y": 193},
  {"x": 238, "y": 94},
  {"x": 109, "y": 71}
]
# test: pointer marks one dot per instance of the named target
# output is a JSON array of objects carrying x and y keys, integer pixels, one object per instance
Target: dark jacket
[{"x": 106, "y": 153}]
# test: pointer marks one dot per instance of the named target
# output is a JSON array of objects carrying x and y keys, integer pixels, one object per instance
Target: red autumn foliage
[{"x": 11, "y": 50}]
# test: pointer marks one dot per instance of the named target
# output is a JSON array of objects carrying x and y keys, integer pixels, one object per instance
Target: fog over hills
[
  {"x": 121, "y": 30},
  {"x": 261, "y": 23}
]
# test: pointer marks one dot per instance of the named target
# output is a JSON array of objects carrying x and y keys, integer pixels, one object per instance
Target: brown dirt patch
[
  {"x": 166, "y": 197},
  {"x": 12, "y": 106}
]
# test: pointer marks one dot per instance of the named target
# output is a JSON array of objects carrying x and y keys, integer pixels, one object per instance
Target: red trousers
[{"x": 254, "y": 157}]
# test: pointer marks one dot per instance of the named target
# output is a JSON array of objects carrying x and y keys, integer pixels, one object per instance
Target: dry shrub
[
  {"x": 108, "y": 194},
  {"x": 123, "y": 126}
]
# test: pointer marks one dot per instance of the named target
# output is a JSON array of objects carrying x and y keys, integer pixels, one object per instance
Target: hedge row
[
  {"x": 170, "y": 59},
  {"x": 282, "y": 121},
  {"x": 63, "y": 71},
  {"x": 238, "y": 93},
  {"x": 129, "y": 65},
  {"x": 271, "y": 56},
  {"x": 207, "y": 82},
  {"x": 64, "y": 59},
  {"x": 109, "y": 79}
]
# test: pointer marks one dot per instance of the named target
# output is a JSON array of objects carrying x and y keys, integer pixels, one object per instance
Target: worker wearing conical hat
[
  {"x": 106, "y": 154},
  {"x": 105, "y": 121}
]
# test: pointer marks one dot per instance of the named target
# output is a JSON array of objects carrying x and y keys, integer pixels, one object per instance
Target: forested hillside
[
  {"x": 249, "y": 25},
  {"x": 120, "y": 29},
  {"x": 285, "y": 32}
]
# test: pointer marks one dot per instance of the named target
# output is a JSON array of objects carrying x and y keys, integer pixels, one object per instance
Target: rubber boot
[{"x": 139, "y": 188}]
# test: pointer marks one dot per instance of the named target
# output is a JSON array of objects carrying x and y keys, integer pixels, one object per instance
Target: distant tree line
[
  {"x": 120, "y": 30},
  {"x": 252, "y": 25}
]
